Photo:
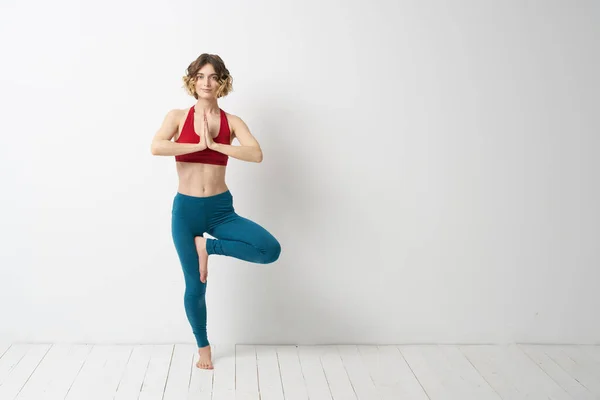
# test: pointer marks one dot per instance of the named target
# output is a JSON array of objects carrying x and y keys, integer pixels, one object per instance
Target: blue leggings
[{"x": 236, "y": 237}]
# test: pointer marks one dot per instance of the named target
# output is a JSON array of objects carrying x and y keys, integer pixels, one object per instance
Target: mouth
[{"x": 207, "y": 90}]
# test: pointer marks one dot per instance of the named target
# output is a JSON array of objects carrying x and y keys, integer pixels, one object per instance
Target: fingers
[{"x": 206, "y": 128}]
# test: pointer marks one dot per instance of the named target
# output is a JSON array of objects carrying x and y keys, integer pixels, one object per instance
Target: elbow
[
  {"x": 154, "y": 149},
  {"x": 259, "y": 156}
]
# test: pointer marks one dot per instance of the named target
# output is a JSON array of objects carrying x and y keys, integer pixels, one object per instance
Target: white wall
[{"x": 430, "y": 169}]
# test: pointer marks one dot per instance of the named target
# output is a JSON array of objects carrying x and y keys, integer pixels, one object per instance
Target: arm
[
  {"x": 162, "y": 144},
  {"x": 248, "y": 151}
]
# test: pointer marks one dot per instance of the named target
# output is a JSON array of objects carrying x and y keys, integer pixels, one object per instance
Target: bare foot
[
  {"x": 202, "y": 257},
  {"x": 205, "y": 361}
]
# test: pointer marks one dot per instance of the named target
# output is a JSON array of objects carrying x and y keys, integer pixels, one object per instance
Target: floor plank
[
  {"x": 539, "y": 355},
  {"x": 155, "y": 379},
  {"x": 512, "y": 374},
  {"x": 101, "y": 373},
  {"x": 133, "y": 377},
  {"x": 20, "y": 362},
  {"x": 269, "y": 373},
  {"x": 317, "y": 386},
  {"x": 294, "y": 386},
  {"x": 224, "y": 372},
  {"x": 246, "y": 373},
  {"x": 179, "y": 376},
  {"x": 391, "y": 374},
  {"x": 56, "y": 372},
  {"x": 577, "y": 364},
  {"x": 362, "y": 382},
  {"x": 337, "y": 376},
  {"x": 446, "y": 373}
]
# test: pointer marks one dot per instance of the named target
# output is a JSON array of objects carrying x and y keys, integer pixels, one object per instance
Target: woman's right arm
[{"x": 162, "y": 144}]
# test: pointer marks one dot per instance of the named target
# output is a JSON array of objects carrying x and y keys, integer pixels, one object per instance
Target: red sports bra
[{"x": 206, "y": 156}]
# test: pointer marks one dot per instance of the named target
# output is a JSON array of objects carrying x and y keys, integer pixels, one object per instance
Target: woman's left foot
[{"x": 202, "y": 257}]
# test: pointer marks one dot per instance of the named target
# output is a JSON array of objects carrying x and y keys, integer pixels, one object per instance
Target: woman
[{"x": 203, "y": 203}]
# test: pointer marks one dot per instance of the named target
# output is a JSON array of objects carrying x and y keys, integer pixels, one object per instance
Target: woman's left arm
[{"x": 248, "y": 151}]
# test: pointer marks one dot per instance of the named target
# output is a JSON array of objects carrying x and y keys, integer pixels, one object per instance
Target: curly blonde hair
[{"x": 224, "y": 77}]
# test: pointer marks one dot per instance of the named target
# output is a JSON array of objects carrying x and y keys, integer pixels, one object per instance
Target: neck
[{"x": 209, "y": 105}]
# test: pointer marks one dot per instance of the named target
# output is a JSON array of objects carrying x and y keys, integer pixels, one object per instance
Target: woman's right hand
[{"x": 202, "y": 143}]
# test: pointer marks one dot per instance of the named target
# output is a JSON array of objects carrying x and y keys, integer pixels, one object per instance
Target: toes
[{"x": 204, "y": 365}]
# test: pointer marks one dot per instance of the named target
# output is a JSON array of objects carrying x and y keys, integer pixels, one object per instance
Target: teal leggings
[{"x": 236, "y": 237}]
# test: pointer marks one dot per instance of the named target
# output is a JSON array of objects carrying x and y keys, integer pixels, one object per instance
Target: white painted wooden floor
[{"x": 477, "y": 372}]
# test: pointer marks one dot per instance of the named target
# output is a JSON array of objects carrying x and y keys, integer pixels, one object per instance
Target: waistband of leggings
[{"x": 187, "y": 197}]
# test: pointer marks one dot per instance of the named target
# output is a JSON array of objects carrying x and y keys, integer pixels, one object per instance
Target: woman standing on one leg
[{"x": 203, "y": 203}]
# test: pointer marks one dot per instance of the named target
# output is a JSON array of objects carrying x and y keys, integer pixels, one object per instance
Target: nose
[{"x": 203, "y": 82}]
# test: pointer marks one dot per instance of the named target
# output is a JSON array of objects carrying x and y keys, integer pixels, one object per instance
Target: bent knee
[{"x": 271, "y": 252}]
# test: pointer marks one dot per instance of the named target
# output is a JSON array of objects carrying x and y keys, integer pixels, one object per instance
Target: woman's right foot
[
  {"x": 205, "y": 361},
  {"x": 202, "y": 257}
]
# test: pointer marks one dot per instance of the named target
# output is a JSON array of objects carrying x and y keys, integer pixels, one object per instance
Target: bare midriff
[{"x": 201, "y": 180}]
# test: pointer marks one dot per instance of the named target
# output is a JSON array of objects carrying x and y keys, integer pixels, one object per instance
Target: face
[{"x": 207, "y": 82}]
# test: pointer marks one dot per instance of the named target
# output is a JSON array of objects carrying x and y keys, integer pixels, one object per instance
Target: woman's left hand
[{"x": 209, "y": 140}]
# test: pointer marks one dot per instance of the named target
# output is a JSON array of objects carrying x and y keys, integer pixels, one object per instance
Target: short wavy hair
[{"x": 224, "y": 77}]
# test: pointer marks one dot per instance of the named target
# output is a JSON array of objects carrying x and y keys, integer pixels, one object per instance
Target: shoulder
[
  {"x": 175, "y": 114},
  {"x": 234, "y": 121},
  {"x": 178, "y": 115},
  {"x": 231, "y": 117},
  {"x": 175, "y": 119},
  {"x": 178, "y": 112}
]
